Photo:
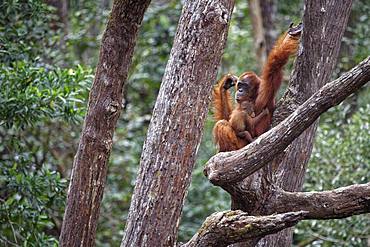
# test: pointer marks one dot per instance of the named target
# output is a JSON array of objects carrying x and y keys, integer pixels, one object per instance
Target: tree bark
[
  {"x": 225, "y": 228},
  {"x": 90, "y": 164},
  {"x": 268, "y": 12},
  {"x": 176, "y": 126}
]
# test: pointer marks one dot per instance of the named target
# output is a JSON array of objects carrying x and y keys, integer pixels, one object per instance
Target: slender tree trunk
[
  {"x": 268, "y": 12},
  {"x": 62, "y": 12},
  {"x": 176, "y": 126},
  {"x": 90, "y": 164},
  {"x": 346, "y": 60},
  {"x": 255, "y": 14},
  {"x": 263, "y": 14}
]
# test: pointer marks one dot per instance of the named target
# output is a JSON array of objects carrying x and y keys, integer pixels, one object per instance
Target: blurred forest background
[{"x": 48, "y": 53}]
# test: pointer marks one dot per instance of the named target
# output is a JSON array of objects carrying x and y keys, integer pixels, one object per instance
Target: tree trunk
[
  {"x": 268, "y": 12},
  {"x": 176, "y": 126},
  {"x": 62, "y": 12},
  {"x": 90, "y": 165},
  {"x": 263, "y": 15},
  {"x": 255, "y": 14}
]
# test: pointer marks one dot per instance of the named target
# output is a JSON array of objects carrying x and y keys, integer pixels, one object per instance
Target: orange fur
[
  {"x": 225, "y": 137},
  {"x": 222, "y": 100},
  {"x": 236, "y": 128},
  {"x": 272, "y": 73}
]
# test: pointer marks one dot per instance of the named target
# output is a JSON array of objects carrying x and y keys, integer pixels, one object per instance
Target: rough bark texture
[
  {"x": 90, "y": 164},
  {"x": 176, "y": 127},
  {"x": 229, "y": 167},
  {"x": 225, "y": 228}
]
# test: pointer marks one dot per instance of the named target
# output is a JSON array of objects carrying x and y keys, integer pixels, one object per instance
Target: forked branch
[
  {"x": 228, "y": 167},
  {"x": 228, "y": 227}
]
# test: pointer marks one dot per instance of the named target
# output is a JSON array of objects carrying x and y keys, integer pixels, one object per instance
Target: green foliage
[
  {"x": 87, "y": 20},
  {"x": 24, "y": 31},
  {"x": 40, "y": 107},
  {"x": 31, "y": 93},
  {"x": 34, "y": 104},
  {"x": 29, "y": 201},
  {"x": 239, "y": 48}
]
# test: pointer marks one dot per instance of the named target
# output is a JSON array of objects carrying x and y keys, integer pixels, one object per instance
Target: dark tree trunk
[
  {"x": 91, "y": 161},
  {"x": 62, "y": 12},
  {"x": 176, "y": 126},
  {"x": 255, "y": 14}
]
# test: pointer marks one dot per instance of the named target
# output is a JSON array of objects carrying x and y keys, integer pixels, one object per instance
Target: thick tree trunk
[
  {"x": 176, "y": 127},
  {"x": 91, "y": 161}
]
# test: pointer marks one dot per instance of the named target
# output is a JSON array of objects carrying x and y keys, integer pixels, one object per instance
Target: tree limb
[
  {"x": 234, "y": 166},
  {"x": 334, "y": 204},
  {"x": 228, "y": 227}
]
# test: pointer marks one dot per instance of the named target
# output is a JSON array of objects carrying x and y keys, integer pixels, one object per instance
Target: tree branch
[
  {"x": 228, "y": 227},
  {"x": 234, "y": 166},
  {"x": 334, "y": 204}
]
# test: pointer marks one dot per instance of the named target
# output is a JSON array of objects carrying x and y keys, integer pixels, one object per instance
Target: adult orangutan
[{"x": 255, "y": 97}]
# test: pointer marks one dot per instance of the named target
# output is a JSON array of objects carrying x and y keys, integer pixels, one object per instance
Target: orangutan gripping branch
[{"x": 255, "y": 97}]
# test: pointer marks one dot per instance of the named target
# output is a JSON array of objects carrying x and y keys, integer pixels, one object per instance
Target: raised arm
[
  {"x": 221, "y": 97},
  {"x": 272, "y": 72}
]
